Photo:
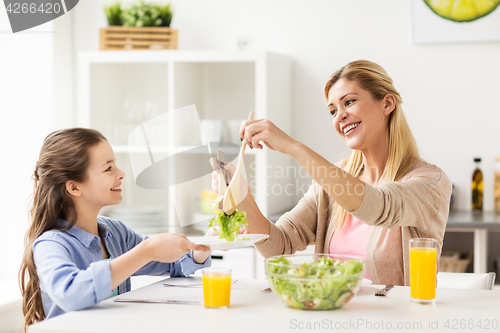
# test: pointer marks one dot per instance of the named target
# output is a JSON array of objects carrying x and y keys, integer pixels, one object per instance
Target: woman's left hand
[{"x": 263, "y": 130}]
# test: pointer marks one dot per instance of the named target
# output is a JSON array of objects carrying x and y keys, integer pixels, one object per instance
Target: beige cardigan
[{"x": 416, "y": 206}]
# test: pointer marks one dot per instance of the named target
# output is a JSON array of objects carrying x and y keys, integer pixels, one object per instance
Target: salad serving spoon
[{"x": 233, "y": 190}]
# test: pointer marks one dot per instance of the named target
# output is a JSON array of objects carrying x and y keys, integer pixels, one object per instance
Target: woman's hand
[
  {"x": 211, "y": 232},
  {"x": 263, "y": 130},
  {"x": 230, "y": 170},
  {"x": 170, "y": 247}
]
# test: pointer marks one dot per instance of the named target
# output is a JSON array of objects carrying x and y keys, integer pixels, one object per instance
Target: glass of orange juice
[
  {"x": 216, "y": 286},
  {"x": 423, "y": 257}
]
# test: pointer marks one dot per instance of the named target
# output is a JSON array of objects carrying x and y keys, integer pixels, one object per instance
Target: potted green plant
[
  {"x": 114, "y": 14},
  {"x": 165, "y": 14},
  {"x": 144, "y": 14},
  {"x": 140, "y": 25}
]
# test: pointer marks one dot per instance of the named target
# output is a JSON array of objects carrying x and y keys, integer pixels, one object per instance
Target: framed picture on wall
[{"x": 452, "y": 21}]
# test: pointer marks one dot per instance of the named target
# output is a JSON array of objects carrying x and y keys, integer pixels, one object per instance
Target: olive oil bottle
[
  {"x": 477, "y": 188},
  {"x": 497, "y": 184}
]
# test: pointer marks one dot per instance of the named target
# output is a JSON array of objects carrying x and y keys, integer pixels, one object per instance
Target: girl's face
[
  {"x": 359, "y": 119},
  {"x": 103, "y": 185}
]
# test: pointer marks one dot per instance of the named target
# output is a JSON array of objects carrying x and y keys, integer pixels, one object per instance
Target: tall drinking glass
[
  {"x": 216, "y": 286},
  {"x": 423, "y": 257}
]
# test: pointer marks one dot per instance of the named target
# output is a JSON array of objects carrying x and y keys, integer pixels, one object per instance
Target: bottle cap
[{"x": 477, "y": 159}]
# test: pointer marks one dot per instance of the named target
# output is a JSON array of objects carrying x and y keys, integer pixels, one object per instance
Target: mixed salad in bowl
[{"x": 315, "y": 281}]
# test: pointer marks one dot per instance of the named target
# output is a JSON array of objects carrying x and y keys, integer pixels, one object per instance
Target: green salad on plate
[{"x": 228, "y": 226}]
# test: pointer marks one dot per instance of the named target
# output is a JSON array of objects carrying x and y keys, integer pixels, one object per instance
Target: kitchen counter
[
  {"x": 456, "y": 219},
  {"x": 479, "y": 224},
  {"x": 485, "y": 220}
]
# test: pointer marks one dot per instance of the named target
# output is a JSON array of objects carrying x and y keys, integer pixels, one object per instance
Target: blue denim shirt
[{"x": 73, "y": 274}]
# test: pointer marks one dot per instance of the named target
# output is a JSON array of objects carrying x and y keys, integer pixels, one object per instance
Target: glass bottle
[
  {"x": 477, "y": 188},
  {"x": 497, "y": 184}
]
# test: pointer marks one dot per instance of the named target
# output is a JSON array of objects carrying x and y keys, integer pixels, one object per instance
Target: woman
[{"x": 371, "y": 203}]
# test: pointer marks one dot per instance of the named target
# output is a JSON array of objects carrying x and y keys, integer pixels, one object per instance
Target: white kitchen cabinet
[{"x": 119, "y": 91}]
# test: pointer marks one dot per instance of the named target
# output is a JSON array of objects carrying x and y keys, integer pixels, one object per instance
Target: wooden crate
[
  {"x": 451, "y": 262},
  {"x": 133, "y": 38}
]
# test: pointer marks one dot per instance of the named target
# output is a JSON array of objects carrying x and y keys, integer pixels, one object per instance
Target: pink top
[
  {"x": 352, "y": 240},
  {"x": 417, "y": 204}
]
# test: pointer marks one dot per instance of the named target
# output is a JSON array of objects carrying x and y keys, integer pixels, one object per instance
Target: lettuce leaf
[{"x": 228, "y": 226}]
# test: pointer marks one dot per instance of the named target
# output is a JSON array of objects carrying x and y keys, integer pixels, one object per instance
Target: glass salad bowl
[{"x": 315, "y": 281}]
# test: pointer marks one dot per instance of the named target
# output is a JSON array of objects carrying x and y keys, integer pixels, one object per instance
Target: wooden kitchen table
[{"x": 254, "y": 311}]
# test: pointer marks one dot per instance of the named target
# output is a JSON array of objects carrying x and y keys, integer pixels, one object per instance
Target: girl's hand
[
  {"x": 170, "y": 247},
  {"x": 255, "y": 131},
  {"x": 201, "y": 256}
]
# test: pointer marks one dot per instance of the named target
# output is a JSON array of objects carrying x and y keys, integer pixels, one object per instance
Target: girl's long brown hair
[
  {"x": 64, "y": 156},
  {"x": 403, "y": 150}
]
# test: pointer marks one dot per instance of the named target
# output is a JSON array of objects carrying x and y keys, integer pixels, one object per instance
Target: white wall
[
  {"x": 36, "y": 97},
  {"x": 449, "y": 90},
  {"x": 26, "y": 103}
]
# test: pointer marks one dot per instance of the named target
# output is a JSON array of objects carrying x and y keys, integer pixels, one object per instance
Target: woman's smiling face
[{"x": 360, "y": 120}]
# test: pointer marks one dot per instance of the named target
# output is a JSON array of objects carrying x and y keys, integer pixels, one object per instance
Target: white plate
[{"x": 215, "y": 243}]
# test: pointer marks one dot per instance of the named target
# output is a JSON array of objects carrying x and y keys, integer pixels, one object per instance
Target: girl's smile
[{"x": 104, "y": 179}]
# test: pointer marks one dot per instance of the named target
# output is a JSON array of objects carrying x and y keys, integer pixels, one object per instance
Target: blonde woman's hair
[
  {"x": 403, "y": 148},
  {"x": 64, "y": 156}
]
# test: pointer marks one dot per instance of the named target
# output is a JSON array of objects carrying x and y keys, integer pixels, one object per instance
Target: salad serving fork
[
  {"x": 232, "y": 195},
  {"x": 383, "y": 291}
]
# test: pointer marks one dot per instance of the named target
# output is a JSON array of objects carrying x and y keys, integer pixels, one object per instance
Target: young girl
[{"x": 75, "y": 258}]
